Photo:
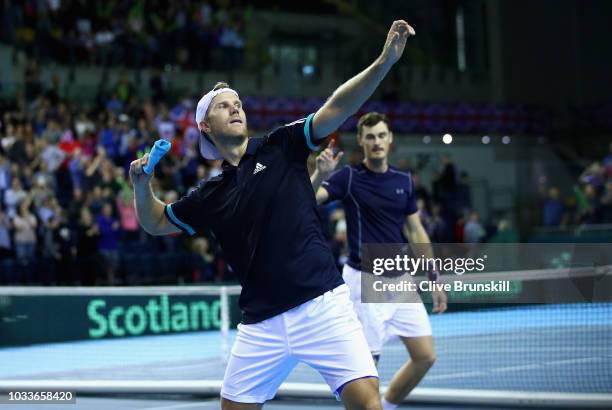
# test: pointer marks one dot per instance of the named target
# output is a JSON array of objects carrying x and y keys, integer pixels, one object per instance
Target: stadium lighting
[
  {"x": 308, "y": 70},
  {"x": 447, "y": 139}
]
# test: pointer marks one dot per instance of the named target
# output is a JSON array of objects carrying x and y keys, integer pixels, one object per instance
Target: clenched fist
[{"x": 137, "y": 174}]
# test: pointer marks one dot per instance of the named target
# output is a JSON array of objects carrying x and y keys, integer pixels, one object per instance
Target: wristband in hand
[{"x": 160, "y": 148}]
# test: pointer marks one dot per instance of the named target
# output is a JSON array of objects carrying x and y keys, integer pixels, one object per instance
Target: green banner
[{"x": 26, "y": 320}]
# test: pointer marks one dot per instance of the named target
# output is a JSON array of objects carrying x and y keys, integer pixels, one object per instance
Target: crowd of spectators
[
  {"x": 66, "y": 203},
  {"x": 137, "y": 33},
  {"x": 447, "y": 213},
  {"x": 590, "y": 201}
]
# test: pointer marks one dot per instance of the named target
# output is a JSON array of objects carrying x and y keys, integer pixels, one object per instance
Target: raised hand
[
  {"x": 328, "y": 160},
  {"x": 396, "y": 41},
  {"x": 137, "y": 174}
]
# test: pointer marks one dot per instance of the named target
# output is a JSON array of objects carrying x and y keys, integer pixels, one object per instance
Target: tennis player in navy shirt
[
  {"x": 262, "y": 210},
  {"x": 379, "y": 202}
]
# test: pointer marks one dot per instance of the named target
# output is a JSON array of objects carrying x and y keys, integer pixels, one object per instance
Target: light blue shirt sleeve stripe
[
  {"x": 183, "y": 225},
  {"x": 307, "y": 133}
]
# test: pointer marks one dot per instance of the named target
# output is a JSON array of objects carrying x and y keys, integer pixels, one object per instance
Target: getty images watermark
[
  {"x": 403, "y": 265},
  {"x": 486, "y": 273}
]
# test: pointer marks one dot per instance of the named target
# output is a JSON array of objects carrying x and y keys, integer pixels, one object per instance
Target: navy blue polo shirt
[
  {"x": 264, "y": 215},
  {"x": 375, "y": 204}
]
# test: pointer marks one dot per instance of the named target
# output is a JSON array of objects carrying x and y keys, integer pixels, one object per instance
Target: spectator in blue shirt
[
  {"x": 553, "y": 208},
  {"x": 108, "y": 244}
]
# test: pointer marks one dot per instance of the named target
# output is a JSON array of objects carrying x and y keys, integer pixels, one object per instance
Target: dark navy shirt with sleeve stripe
[
  {"x": 264, "y": 215},
  {"x": 375, "y": 205}
]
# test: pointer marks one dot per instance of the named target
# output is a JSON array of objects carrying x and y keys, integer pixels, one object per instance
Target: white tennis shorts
[
  {"x": 324, "y": 333},
  {"x": 382, "y": 321}
]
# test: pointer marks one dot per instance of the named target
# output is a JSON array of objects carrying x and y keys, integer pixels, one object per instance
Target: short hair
[
  {"x": 220, "y": 85},
  {"x": 371, "y": 119}
]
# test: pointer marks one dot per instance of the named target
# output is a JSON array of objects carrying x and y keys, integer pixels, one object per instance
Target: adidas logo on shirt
[{"x": 258, "y": 167}]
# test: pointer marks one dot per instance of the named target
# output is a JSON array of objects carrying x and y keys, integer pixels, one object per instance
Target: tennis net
[{"x": 176, "y": 339}]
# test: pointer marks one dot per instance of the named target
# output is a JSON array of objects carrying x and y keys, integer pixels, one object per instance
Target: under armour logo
[
  {"x": 399, "y": 191},
  {"x": 258, "y": 167}
]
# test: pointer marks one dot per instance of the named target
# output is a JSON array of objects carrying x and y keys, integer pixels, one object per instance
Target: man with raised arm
[{"x": 262, "y": 210}]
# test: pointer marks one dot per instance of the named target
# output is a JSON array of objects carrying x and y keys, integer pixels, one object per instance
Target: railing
[{"x": 596, "y": 233}]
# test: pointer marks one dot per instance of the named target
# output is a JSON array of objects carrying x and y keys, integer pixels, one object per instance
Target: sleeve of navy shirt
[
  {"x": 186, "y": 213},
  {"x": 337, "y": 184},
  {"x": 411, "y": 206},
  {"x": 296, "y": 138}
]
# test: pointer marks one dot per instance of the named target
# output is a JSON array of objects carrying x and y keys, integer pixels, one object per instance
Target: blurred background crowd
[
  {"x": 65, "y": 193},
  {"x": 66, "y": 204},
  {"x": 590, "y": 201},
  {"x": 135, "y": 33}
]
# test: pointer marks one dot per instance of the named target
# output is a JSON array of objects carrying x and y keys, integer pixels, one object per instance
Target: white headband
[{"x": 205, "y": 102}]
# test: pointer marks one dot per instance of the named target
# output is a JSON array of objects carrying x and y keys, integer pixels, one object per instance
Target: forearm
[
  {"x": 321, "y": 194},
  {"x": 93, "y": 166},
  {"x": 149, "y": 210},
  {"x": 420, "y": 242},
  {"x": 349, "y": 97},
  {"x": 352, "y": 94},
  {"x": 421, "y": 245},
  {"x": 316, "y": 179}
]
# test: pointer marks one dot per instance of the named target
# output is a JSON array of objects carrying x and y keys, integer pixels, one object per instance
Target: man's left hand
[
  {"x": 439, "y": 301},
  {"x": 328, "y": 160}
]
